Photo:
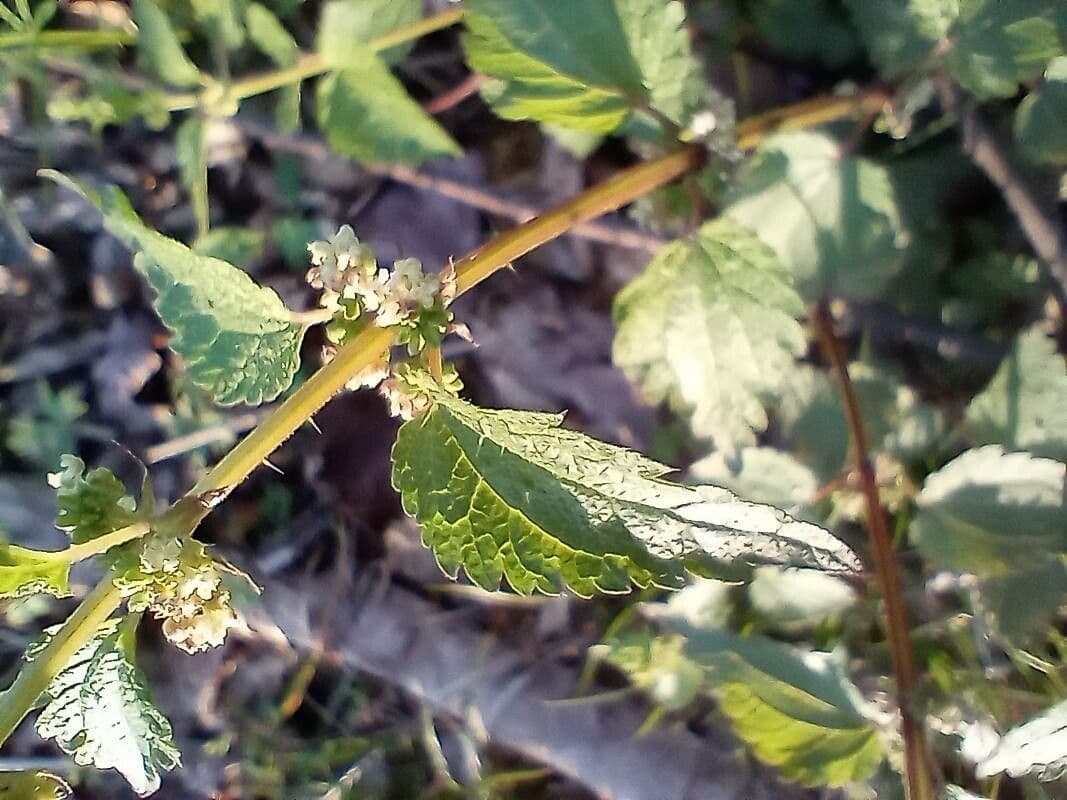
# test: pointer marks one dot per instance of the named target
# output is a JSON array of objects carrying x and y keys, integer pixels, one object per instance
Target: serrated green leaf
[
  {"x": 1039, "y": 126},
  {"x": 992, "y": 513},
  {"x": 24, "y": 572},
  {"x": 237, "y": 338},
  {"x": 1023, "y": 406},
  {"x": 797, "y": 710},
  {"x": 99, "y": 712},
  {"x": 344, "y": 25},
  {"x": 583, "y": 66},
  {"x": 272, "y": 39},
  {"x": 1036, "y": 747},
  {"x": 191, "y": 153},
  {"x": 711, "y": 325},
  {"x": 33, "y": 786},
  {"x": 762, "y": 475},
  {"x": 366, "y": 113},
  {"x": 90, "y": 503},
  {"x": 221, "y": 19},
  {"x": 832, "y": 218},
  {"x": 512, "y": 495},
  {"x": 998, "y": 45},
  {"x": 158, "y": 46}
]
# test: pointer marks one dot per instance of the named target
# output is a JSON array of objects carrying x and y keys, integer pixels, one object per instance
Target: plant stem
[
  {"x": 35, "y": 676},
  {"x": 919, "y": 774},
  {"x": 101, "y": 544},
  {"x": 312, "y": 64},
  {"x": 372, "y": 343},
  {"x": 43, "y": 40},
  {"x": 806, "y": 114}
]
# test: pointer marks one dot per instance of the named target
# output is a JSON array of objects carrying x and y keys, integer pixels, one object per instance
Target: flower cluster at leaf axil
[
  {"x": 405, "y": 298},
  {"x": 176, "y": 579}
]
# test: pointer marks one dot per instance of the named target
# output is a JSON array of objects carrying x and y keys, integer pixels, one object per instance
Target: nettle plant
[{"x": 714, "y": 326}]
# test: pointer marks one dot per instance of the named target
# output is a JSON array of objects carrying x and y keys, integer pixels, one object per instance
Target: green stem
[
  {"x": 42, "y": 40},
  {"x": 35, "y": 676},
  {"x": 101, "y": 544},
  {"x": 312, "y": 64}
]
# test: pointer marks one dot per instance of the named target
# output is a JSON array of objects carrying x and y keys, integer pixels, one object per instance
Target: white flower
[
  {"x": 339, "y": 261},
  {"x": 403, "y": 403}
]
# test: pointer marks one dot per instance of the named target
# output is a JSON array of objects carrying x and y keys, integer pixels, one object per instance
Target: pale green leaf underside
[
  {"x": 33, "y": 786},
  {"x": 366, "y": 113},
  {"x": 512, "y": 495},
  {"x": 99, "y": 712},
  {"x": 237, "y": 338},
  {"x": 1039, "y": 119},
  {"x": 796, "y": 710},
  {"x": 25, "y": 572},
  {"x": 585, "y": 65},
  {"x": 159, "y": 48},
  {"x": 1036, "y": 747},
  {"x": 1024, "y": 406},
  {"x": 832, "y": 218},
  {"x": 711, "y": 326},
  {"x": 993, "y": 513}
]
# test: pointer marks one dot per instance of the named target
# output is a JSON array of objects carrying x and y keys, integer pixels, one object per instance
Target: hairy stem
[
  {"x": 372, "y": 343},
  {"x": 919, "y": 774},
  {"x": 35, "y": 676},
  {"x": 312, "y": 64}
]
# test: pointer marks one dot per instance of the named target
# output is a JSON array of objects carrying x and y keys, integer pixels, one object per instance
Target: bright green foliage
[
  {"x": 796, "y": 710},
  {"x": 190, "y": 150},
  {"x": 813, "y": 418},
  {"x": 711, "y": 326},
  {"x": 24, "y": 572},
  {"x": 90, "y": 503},
  {"x": 366, "y": 113},
  {"x": 159, "y": 48},
  {"x": 583, "y": 66},
  {"x": 831, "y": 217},
  {"x": 1036, "y": 747},
  {"x": 221, "y": 19},
  {"x": 510, "y": 494},
  {"x": 236, "y": 337},
  {"x": 998, "y": 45},
  {"x": 656, "y": 665},
  {"x": 1039, "y": 119},
  {"x": 33, "y": 786},
  {"x": 108, "y": 102},
  {"x": 763, "y": 475},
  {"x": 99, "y": 712},
  {"x": 273, "y": 40},
  {"x": 48, "y": 433},
  {"x": 1023, "y": 406},
  {"x": 992, "y": 513},
  {"x": 346, "y": 24}
]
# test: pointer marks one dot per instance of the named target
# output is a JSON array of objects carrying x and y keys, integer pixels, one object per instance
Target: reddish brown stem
[{"x": 919, "y": 772}]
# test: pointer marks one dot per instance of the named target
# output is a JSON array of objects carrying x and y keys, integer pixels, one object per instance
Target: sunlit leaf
[
  {"x": 1036, "y": 747},
  {"x": 24, "y": 572},
  {"x": 511, "y": 494},
  {"x": 345, "y": 25},
  {"x": 711, "y": 326},
  {"x": 33, "y": 785},
  {"x": 90, "y": 503}
]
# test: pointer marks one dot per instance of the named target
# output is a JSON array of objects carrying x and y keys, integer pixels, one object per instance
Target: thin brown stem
[
  {"x": 919, "y": 774},
  {"x": 456, "y": 95}
]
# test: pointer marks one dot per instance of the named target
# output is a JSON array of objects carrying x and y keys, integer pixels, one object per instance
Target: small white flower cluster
[
  {"x": 347, "y": 270},
  {"x": 177, "y": 581}
]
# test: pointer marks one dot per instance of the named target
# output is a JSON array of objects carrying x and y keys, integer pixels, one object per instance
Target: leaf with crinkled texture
[
  {"x": 997, "y": 45},
  {"x": 159, "y": 48},
  {"x": 33, "y": 786},
  {"x": 583, "y": 65},
  {"x": 90, "y": 503},
  {"x": 1036, "y": 747},
  {"x": 512, "y": 495},
  {"x": 345, "y": 25},
  {"x": 797, "y": 710},
  {"x": 238, "y": 339},
  {"x": 366, "y": 113},
  {"x": 99, "y": 712},
  {"x": 992, "y": 513},
  {"x": 24, "y": 572},
  {"x": 271, "y": 38},
  {"x": 1023, "y": 406},
  {"x": 711, "y": 326},
  {"x": 1039, "y": 127},
  {"x": 831, "y": 217},
  {"x": 763, "y": 475}
]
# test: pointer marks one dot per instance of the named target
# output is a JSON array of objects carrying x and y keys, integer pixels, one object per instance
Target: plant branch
[
  {"x": 1036, "y": 218},
  {"x": 33, "y": 679},
  {"x": 807, "y": 114},
  {"x": 919, "y": 774},
  {"x": 101, "y": 544},
  {"x": 80, "y": 39}
]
